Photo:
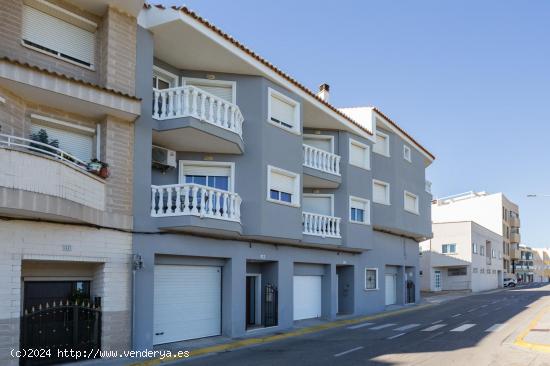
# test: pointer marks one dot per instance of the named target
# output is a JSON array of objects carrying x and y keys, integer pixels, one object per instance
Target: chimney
[{"x": 323, "y": 92}]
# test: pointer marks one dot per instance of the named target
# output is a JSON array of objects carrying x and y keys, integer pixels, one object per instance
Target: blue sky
[{"x": 468, "y": 79}]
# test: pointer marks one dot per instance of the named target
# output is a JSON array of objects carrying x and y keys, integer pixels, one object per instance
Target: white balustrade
[
  {"x": 195, "y": 200},
  {"x": 190, "y": 101},
  {"x": 321, "y": 225},
  {"x": 321, "y": 160}
]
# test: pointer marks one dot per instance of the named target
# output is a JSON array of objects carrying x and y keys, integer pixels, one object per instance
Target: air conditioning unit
[{"x": 163, "y": 158}]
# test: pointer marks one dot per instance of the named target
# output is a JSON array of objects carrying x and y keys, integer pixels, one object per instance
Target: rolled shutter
[
  {"x": 282, "y": 111},
  {"x": 221, "y": 91},
  {"x": 379, "y": 192},
  {"x": 77, "y": 144},
  {"x": 410, "y": 202},
  {"x": 58, "y": 35},
  {"x": 323, "y": 144},
  {"x": 281, "y": 182},
  {"x": 357, "y": 155}
]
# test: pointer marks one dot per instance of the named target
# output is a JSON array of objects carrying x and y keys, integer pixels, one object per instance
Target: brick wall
[{"x": 110, "y": 252}]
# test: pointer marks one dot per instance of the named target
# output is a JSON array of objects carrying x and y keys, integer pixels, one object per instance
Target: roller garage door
[
  {"x": 391, "y": 289},
  {"x": 307, "y": 297},
  {"x": 187, "y": 302}
]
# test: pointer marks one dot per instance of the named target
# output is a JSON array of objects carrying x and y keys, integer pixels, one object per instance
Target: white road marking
[
  {"x": 463, "y": 327},
  {"x": 360, "y": 325},
  {"x": 483, "y": 314},
  {"x": 495, "y": 328},
  {"x": 494, "y": 302},
  {"x": 348, "y": 351},
  {"x": 434, "y": 327},
  {"x": 456, "y": 315},
  {"x": 397, "y": 335},
  {"x": 499, "y": 308},
  {"x": 437, "y": 322},
  {"x": 483, "y": 306},
  {"x": 383, "y": 326},
  {"x": 406, "y": 327},
  {"x": 474, "y": 309}
]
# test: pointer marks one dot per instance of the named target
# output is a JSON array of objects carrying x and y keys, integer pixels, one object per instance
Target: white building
[{"x": 461, "y": 256}]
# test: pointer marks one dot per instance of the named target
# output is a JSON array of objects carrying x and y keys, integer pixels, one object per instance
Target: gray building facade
[{"x": 256, "y": 208}]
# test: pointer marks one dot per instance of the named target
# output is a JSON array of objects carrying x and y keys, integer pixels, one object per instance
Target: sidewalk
[{"x": 537, "y": 334}]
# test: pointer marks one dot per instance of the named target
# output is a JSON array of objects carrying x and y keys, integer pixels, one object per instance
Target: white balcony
[
  {"x": 321, "y": 160},
  {"x": 190, "y": 101},
  {"x": 195, "y": 200},
  {"x": 321, "y": 225}
]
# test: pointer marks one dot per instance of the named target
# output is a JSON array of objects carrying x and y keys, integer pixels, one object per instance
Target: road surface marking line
[
  {"x": 495, "y": 328},
  {"x": 463, "y": 327},
  {"x": 360, "y": 326},
  {"x": 348, "y": 351},
  {"x": 456, "y": 315},
  {"x": 499, "y": 308},
  {"x": 397, "y": 335},
  {"x": 483, "y": 306},
  {"x": 520, "y": 340},
  {"x": 434, "y": 327},
  {"x": 406, "y": 327},
  {"x": 483, "y": 314},
  {"x": 474, "y": 309},
  {"x": 437, "y": 322},
  {"x": 383, "y": 326}
]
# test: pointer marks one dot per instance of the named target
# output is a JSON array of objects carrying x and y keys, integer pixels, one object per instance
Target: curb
[
  {"x": 277, "y": 337},
  {"x": 533, "y": 346}
]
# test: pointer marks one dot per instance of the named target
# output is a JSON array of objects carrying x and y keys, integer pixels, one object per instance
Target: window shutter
[
  {"x": 318, "y": 205},
  {"x": 282, "y": 111},
  {"x": 410, "y": 202},
  {"x": 380, "y": 146},
  {"x": 357, "y": 155},
  {"x": 379, "y": 192},
  {"x": 77, "y": 144},
  {"x": 323, "y": 144},
  {"x": 282, "y": 183},
  {"x": 57, "y": 35},
  {"x": 223, "y": 171},
  {"x": 220, "y": 91}
]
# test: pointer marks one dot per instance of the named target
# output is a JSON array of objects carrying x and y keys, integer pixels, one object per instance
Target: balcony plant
[{"x": 99, "y": 168}]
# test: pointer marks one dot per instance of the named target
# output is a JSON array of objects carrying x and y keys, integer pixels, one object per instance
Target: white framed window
[
  {"x": 53, "y": 30},
  {"x": 474, "y": 248},
  {"x": 380, "y": 192},
  {"x": 382, "y": 145},
  {"x": 214, "y": 174},
  {"x": 481, "y": 250},
  {"x": 448, "y": 248},
  {"x": 322, "y": 204},
  {"x": 359, "y": 210},
  {"x": 224, "y": 89},
  {"x": 283, "y": 186},
  {"x": 359, "y": 154},
  {"x": 407, "y": 154},
  {"x": 163, "y": 79},
  {"x": 322, "y": 142},
  {"x": 493, "y": 253},
  {"x": 283, "y": 111},
  {"x": 371, "y": 279},
  {"x": 410, "y": 202}
]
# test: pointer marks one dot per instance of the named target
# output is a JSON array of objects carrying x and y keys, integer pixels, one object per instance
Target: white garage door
[
  {"x": 391, "y": 287},
  {"x": 187, "y": 302},
  {"x": 307, "y": 297}
]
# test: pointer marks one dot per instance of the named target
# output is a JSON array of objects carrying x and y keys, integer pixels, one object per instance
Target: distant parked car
[{"x": 510, "y": 282}]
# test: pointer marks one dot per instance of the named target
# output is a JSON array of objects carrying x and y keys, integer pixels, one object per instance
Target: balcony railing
[
  {"x": 321, "y": 160},
  {"x": 189, "y": 101},
  {"x": 321, "y": 225},
  {"x": 10, "y": 141},
  {"x": 195, "y": 200},
  {"x": 428, "y": 187}
]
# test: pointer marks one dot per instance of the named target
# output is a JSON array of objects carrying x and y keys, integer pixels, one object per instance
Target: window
[
  {"x": 474, "y": 248},
  {"x": 74, "y": 139},
  {"x": 359, "y": 210},
  {"x": 481, "y": 250},
  {"x": 407, "y": 153},
  {"x": 222, "y": 89},
  {"x": 380, "y": 192},
  {"x": 460, "y": 271},
  {"x": 218, "y": 175},
  {"x": 283, "y": 186},
  {"x": 371, "y": 278},
  {"x": 493, "y": 253},
  {"x": 283, "y": 112},
  {"x": 448, "y": 248},
  {"x": 322, "y": 142},
  {"x": 163, "y": 79},
  {"x": 60, "y": 34},
  {"x": 411, "y": 202},
  {"x": 382, "y": 145},
  {"x": 359, "y": 154},
  {"x": 482, "y": 270},
  {"x": 322, "y": 204},
  {"x": 474, "y": 270},
  {"x": 421, "y": 273}
]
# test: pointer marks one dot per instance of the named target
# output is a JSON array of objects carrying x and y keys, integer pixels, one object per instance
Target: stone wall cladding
[{"x": 110, "y": 250}]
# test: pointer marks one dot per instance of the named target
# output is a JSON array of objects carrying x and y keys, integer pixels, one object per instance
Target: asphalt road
[{"x": 474, "y": 330}]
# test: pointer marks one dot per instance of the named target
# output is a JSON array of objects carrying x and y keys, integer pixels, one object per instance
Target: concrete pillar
[
  {"x": 286, "y": 313},
  {"x": 329, "y": 295},
  {"x": 143, "y": 301},
  {"x": 233, "y": 297}
]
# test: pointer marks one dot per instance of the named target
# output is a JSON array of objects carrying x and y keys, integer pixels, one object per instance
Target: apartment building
[
  {"x": 541, "y": 259},
  {"x": 461, "y": 256},
  {"x": 524, "y": 267},
  {"x": 493, "y": 211},
  {"x": 67, "y": 96},
  {"x": 257, "y": 203}
]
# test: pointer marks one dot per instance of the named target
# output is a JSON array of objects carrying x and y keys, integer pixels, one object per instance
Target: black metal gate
[
  {"x": 411, "y": 293},
  {"x": 57, "y": 327},
  {"x": 271, "y": 315}
]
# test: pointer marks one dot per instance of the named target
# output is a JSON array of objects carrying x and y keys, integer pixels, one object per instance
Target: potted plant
[{"x": 99, "y": 168}]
